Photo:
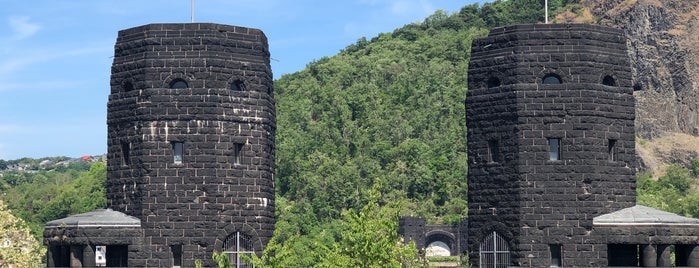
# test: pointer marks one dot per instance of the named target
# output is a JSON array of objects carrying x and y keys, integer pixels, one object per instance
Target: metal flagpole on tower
[
  {"x": 192, "y": 16},
  {"x": 546, "y": 11}
]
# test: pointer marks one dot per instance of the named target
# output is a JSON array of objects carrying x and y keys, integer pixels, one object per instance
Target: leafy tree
[
  {"x": 366, "y": 238},
  {"x": 695, "y": 167},
  {"x": 671, "y": 192},
  {"x": 369, "y": 238},
  {"x": 48, "y": 195},
  {"x": 18, "y": 246},
  {"x": 676, "y": 177}
]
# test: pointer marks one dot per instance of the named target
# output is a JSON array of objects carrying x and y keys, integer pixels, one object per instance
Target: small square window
[
  {"x": 177, "y": 150},
  {"x": 493, "y": 151},
  {"x": 237, "y": 153},
  {"x": 554, "y": 149},
  {"x": 612, "y": 150},
  {"x": 556, "y": 255}
]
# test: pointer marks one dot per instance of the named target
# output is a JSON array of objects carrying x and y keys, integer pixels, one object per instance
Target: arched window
[
  {"x": 495, "y": 253},
  {"x": 238, "y": 85},
  {"x": 238, "y": 244},
  {"x": 551, "y": 79},
  {"x": 493, "y": 82},
  {"x": 609, "y": 81},
  {"x": 178, "y": 84}
]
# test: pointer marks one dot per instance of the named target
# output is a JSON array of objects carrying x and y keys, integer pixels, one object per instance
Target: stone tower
[
  {"x": 191, "y": 124},
  {"x": 550, "y": 116}
]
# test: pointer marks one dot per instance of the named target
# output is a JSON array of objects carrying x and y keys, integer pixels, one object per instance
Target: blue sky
[{"x": 55, "y": 56}]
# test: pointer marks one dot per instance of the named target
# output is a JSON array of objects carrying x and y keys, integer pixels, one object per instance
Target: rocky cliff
[
  {"x": 663, "y": 40},
  {"x": 664, "y": 50}
]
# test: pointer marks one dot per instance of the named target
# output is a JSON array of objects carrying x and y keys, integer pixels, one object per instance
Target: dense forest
[{"x": 364, "y": 136}]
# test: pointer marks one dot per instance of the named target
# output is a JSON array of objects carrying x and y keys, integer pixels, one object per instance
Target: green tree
[
  {"x": 676, "y": 177},
  {"x": 364, "y": 238},
  {"x": 18, "y": 246},
  {"x": 369, "y": 238},
  {"x": 695, "y": 167}
]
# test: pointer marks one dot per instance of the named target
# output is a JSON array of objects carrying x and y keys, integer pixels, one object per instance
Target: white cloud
[{"x": 22, "y": 28}]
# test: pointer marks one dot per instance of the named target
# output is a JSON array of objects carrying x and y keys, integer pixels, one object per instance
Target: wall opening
[
  {"x": 178, "y": 84},
  {"x": 556, "y": 255},
  {"x": 237, "y": 85},
  {"x": 176, "y": 251},
  {"x": 554, "y": 149},
  {"x": 237, "y": 153},
  {"x": 608, "y": 80},
  {"x": 125, "y": 153},
  {"x": 494, "y": 252},
  {"x": 438, "y": 249},
  {"x": 493, "y": 151},
  {"x": 551, "y": 79},
  {"x": 493, "y": 82},
  {"x": 177, "y": 152},
  {"x": 117, "y": 255},
  {"x": 236, "y": 245},
  {"x": 612, "y": 150},
  {"x": 622, "y": 255},
  {"x": 127, "y": 86}
]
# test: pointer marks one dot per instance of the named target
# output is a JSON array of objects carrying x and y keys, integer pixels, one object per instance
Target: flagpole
[
  {"x": 192, "y": 15},
  {"x": 546, "y": 12}
]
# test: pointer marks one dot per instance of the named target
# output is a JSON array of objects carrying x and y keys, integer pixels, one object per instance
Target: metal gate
[
  {"x": 495, "y": 253},
  {"x": 238, "y": 244}
]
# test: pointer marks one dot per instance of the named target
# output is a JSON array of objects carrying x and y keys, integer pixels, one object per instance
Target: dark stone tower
[
  {"x": 191, "y": 124},
  {"x": 550, "y": 116}
]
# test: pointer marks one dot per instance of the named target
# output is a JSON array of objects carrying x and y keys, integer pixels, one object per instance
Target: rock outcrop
[{"x": 664, "y": 50}]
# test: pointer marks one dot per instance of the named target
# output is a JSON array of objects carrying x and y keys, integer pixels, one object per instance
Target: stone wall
[
  {"x": 225, "y": 120},
  {"x": 414, "y": 229},
  {"x": 531, "y": 201}
]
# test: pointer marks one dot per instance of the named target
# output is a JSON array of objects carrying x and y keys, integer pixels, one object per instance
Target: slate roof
[
  {"x": 96, "y": 218},
  {"x": 642, "y": 215}
]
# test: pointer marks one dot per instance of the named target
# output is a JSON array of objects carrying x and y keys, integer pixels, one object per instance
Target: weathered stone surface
[
  {"x": 192, "y": 202},
  {"x": 530, "y": 200},
  {"x": 224, "y": 118},
  {"x": 582, "y": 202}
]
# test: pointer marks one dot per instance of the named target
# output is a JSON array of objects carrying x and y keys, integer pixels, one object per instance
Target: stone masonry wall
[
  {"x": 530, "y": 200},
  {"x": 207, "y": 197}
]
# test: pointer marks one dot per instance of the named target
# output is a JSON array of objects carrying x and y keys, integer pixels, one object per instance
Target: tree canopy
[{"x": 17, "y": 245}]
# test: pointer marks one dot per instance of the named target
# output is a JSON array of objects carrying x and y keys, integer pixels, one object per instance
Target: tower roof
[
  {"x": 642, "y": 215},
  {"x": 96, "y": 218}
]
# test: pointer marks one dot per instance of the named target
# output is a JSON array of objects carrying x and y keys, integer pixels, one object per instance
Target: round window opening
[
  {"x": 493, "y": 82},
  {"x": 238, "y": 85},
  {"x": 178, "y": 84},
  {"x": 609, "y": 81},
  {"x": 127, "y": 86},
  {"x": 551, "y": 79}
]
